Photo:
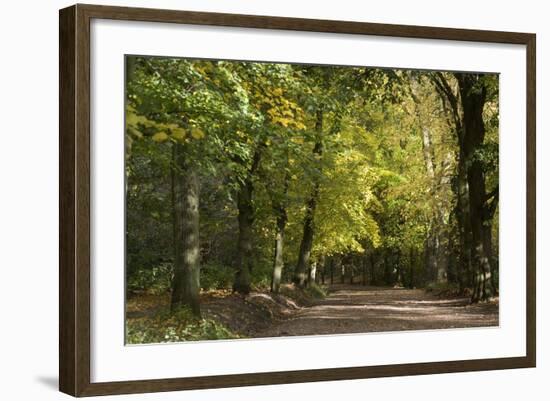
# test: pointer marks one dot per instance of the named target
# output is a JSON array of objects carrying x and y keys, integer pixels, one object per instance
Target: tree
[{"x": 473, "y": 94}]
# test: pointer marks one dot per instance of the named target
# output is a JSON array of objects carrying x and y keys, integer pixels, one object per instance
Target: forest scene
[{"x": 271, "y": 199}]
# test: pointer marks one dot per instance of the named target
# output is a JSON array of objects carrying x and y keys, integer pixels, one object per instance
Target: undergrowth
[{"x": 166, "y": 326}]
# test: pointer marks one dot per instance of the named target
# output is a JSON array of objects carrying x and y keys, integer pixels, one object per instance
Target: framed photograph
[{"x": 249, "y": 200}]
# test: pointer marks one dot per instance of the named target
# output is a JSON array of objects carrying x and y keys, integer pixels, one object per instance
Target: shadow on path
[{"x": 355, "y": 309}]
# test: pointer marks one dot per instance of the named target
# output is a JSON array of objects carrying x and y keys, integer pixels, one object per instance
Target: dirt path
[{"x": 354, "y": 309}]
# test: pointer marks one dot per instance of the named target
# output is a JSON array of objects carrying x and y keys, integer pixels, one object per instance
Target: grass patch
[{"x": 305, "y": 296}]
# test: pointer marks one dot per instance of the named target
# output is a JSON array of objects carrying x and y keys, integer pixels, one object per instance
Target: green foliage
[
  {"x": 154, "y": 280},
  {"x": 180, "y": 326},
  {"x": 216, "y": 276}
]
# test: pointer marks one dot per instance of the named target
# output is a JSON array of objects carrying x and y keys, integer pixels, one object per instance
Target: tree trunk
[
  {"x": 244, "y": 241},
  {"x": 364, "y": 268},
  {"x": 372, "y": 268},
  {"x": 473, "y": 94},
  {"x": 337, "y": 265},
  {"x": 312, "y": 273},
  {"x": 398, "y": 271},
  {"x": 462, "y": 209},
  {"x": 323, "y": 268},
  {"x": 278, "y": 262},
  {"x": 482, "y": 290},
  {"x": 332, "y": 270},
  {"x": 464, "y": 226},
  {"x": 388, "y": 268},
  {"x": 300, "y": 274},
  {"x": 245, "y": 219},
  {"x": 412, "y": 259},
  {"x": 488, "y": 245},
  {"x": 186, "y": 285}
]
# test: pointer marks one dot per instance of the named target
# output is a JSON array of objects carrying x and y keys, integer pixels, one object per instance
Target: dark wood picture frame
[{"x": 74, "y": 204}]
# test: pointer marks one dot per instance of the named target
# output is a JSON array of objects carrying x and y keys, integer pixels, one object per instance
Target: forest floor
[
  {"x": 357, "y": 309},
  {"x": 346, "y": 309}
]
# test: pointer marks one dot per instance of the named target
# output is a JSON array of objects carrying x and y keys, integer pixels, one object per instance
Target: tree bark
[
  {"x": 323, "y": 268},
  {"x": 244, "y": 241},
  {"x": 364, "y": 264},
  {"x": 388, "y": 268},
  {"x": 279, "y": 208},
  {"x": 412, "y": 259},
  {"x": 245, "y": 219},
  {"x": 372, "y": 267},
  {"x": 312, "y": 273},
  {"x": 332, "y": 270},
  {"x": 473, "y": 96},
  {"x": 464, "y": 226},
  {"x": 186, "y": 192},
  {"x": 462, "y": 210},
  {"x": 278, "y": 262},
  {"x": 337, "y": 265}
]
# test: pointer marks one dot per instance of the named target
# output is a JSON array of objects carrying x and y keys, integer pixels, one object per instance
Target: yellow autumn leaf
[
  {"x": 197, "y": 133},
  {"x": 160, "y": 136},
  {"x": 178, "y": 133},
  {"x": 299, "y": 125}
]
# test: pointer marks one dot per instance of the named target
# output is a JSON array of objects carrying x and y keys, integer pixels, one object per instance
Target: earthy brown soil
[
  {"x": 356, "y": 309},
  {"x": 347, "y": 309}
]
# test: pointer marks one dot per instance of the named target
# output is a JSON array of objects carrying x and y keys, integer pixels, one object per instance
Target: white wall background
[{"x": 29, "y": 185}]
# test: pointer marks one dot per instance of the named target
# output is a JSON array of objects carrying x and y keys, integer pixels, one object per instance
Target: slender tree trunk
[
  {"x": 323, "y": 268},
  {"x": 364, "y": 264},
  {"x": 300, "y": 274},
  {"x": 337, "y": 265},
  {"x": 464, "y": 226},
  {"x": 412, "y": 259},
  {"x": 332, "y": 270},
  {"x": 312, "y": 273},
  {"x": 372, "y": 268},
  {"x": 278, "y": 262},
  {"x": 244, "y": 241},
  {"x": 398, "y": 271},
  {"x": 388, "y": 268},
  {"x": 186, "y": 285}
]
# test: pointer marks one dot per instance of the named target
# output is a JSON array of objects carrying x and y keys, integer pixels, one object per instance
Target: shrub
[
  {"x": 174, "y": 327},
  {"x": 261, "y": 274},
  {"x": 154, "y": 280},
  {"x": 216, "y": 276}
]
